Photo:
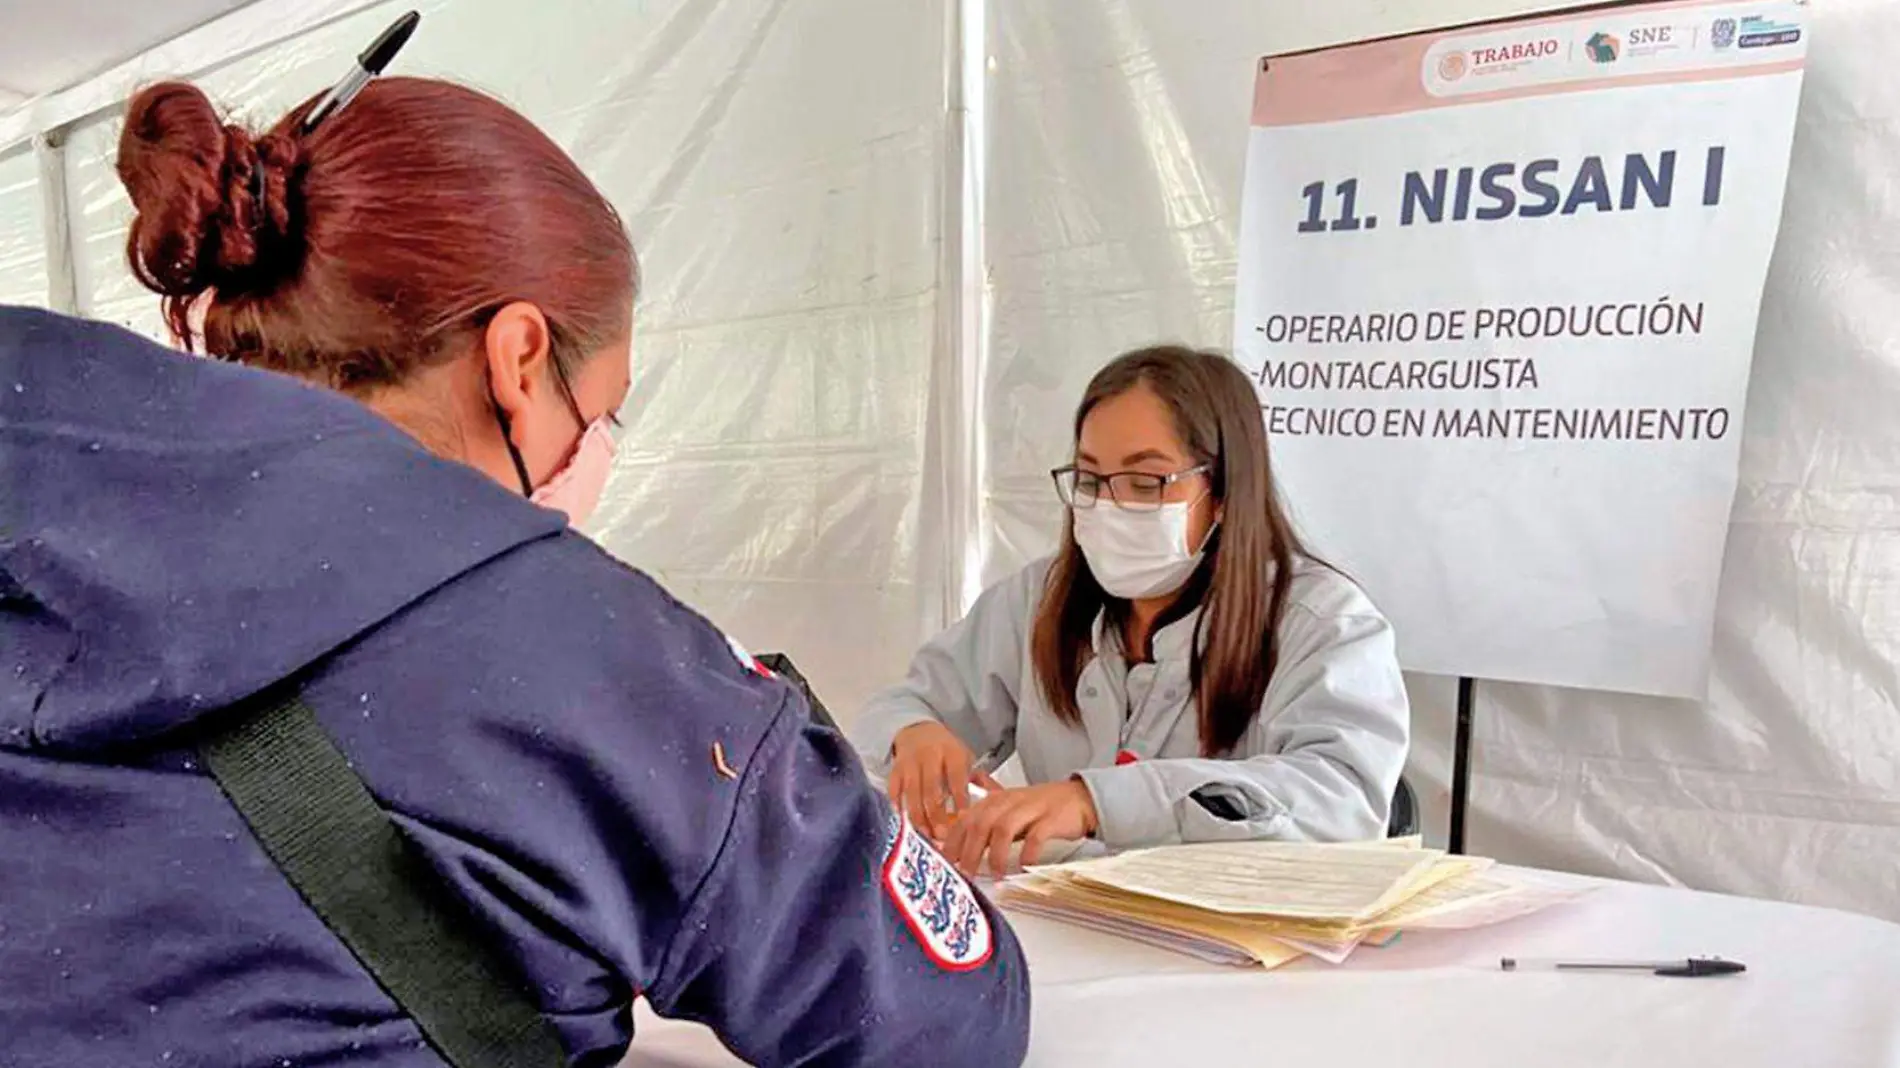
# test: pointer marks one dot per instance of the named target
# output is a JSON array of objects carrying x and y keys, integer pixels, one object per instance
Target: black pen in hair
[{"x": 371, "y": 63}]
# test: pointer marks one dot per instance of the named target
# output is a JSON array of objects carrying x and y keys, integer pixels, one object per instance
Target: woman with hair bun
[{"x": 329, "y": 571}]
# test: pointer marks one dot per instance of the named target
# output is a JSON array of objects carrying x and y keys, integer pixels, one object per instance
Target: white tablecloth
[{"x": 1822, "y": 990}]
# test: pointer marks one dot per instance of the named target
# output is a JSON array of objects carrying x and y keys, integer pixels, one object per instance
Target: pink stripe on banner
[{"x": 1655, "y": 44}]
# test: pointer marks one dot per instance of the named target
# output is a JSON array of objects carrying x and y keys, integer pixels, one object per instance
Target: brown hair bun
[{"x": 212, "y": 200}]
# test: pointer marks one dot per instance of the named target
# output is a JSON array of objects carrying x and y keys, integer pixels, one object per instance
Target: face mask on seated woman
[{"x": 1137, "y": 555}]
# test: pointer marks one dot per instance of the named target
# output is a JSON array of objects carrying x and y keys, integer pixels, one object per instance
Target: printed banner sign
[{"x": 1499, "y": 288}]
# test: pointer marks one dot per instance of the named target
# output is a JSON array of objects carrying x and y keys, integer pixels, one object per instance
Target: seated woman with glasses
[{"x": 1182, "y": 670}]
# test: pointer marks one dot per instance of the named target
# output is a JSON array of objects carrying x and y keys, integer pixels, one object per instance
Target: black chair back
[
  {"x": 1404, "y": 821},
  {"x": 781, "y": 665}
]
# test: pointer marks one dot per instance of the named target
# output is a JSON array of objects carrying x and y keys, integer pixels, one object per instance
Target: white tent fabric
[
  {"x": 45, "y": 50},
  {"x": 843, "y": 415},
  {"x": 22, "y": 238},
  {"x": 138, "y": 30}
]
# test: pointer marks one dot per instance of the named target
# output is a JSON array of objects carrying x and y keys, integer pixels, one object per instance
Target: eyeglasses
[{"x": 1132, "y": 491}]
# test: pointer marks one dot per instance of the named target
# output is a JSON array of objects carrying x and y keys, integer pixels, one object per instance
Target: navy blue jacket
[{"x": 176, "y": 534}]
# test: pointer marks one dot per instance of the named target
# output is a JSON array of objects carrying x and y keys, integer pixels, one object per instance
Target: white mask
[{"x": 1138, "y": 555}]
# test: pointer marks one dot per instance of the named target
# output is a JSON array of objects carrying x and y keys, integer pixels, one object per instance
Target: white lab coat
[{"x": 1319, "y": 764}]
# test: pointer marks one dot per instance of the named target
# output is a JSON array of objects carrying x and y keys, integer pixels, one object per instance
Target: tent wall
[
  {"x": 22, "y": 229},
  {"x": 828, "y": 409}
]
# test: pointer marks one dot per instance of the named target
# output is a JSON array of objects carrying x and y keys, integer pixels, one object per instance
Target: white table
[{"x": 1822, "y": 989}]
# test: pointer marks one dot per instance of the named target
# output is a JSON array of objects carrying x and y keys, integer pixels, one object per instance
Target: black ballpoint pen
[
  {"x": 368, "y": 65},
  {"x": 1692, "y": 968}
]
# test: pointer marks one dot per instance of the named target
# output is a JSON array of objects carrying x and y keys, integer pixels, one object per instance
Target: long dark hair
[{"x": 1241, "y": 585}]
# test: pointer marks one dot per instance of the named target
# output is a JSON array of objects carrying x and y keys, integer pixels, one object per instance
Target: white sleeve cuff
[{"x": 1132, "y": 809}]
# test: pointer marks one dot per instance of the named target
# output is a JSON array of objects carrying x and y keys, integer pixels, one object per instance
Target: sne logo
[{"x": 1603, "y": 47}]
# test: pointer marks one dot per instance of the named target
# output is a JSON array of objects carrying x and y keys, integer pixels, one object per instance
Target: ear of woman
[{"x": 518, "y": 352}]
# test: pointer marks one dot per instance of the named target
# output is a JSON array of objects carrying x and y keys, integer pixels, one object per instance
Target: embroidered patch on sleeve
[{"x": 941, "y": 909}]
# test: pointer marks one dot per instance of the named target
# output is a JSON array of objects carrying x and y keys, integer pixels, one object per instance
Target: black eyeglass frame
[{"x": 1065, "y": 479}]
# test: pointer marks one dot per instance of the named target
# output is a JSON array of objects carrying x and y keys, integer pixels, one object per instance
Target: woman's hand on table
[
  {"x": 1032, "y": 815},
  {"x": 930, "y": 777}
]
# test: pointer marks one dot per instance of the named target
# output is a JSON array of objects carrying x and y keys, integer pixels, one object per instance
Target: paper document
[
  {"x": 1502, "y": 900},
  {"x": 1288, "y": 879},
  {"x": 1206, "y": 949},
  {"x": 1064, "y": 899},
  {"x": 1270, "y": 903}
]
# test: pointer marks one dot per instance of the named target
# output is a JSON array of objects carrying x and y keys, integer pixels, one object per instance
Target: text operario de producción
[{"x": 1519, "y": 326}]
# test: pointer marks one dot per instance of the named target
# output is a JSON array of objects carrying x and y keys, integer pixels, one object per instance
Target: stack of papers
[{"x": 1269, "y": 903}]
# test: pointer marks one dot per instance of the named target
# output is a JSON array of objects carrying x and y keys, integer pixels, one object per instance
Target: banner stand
[{"x": 1461, "y": 764}]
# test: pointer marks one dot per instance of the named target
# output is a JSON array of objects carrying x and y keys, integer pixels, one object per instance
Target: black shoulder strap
[{"x": 318, "y": 822}]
